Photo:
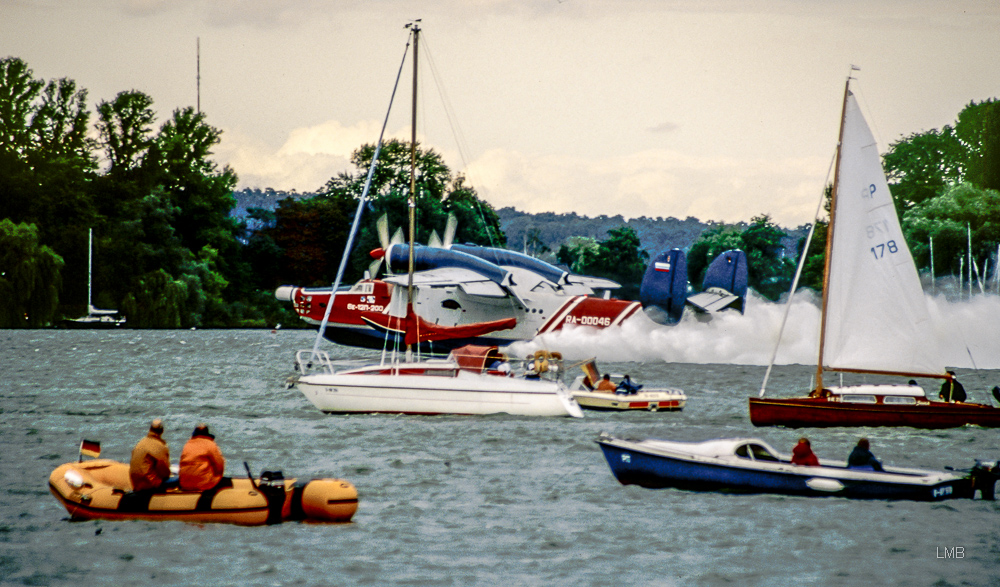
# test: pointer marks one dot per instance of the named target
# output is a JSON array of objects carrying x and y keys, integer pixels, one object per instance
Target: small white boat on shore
[{"x": 473, "y": 380}]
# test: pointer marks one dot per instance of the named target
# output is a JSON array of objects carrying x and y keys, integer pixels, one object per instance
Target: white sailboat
[
  {"x": 95, "y": 318},
  {"x": 874, "y": 315},
  {"x": 462, "y": 384}
]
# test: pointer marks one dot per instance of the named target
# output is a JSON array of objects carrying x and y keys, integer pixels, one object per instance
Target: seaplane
[{"x": 469, "y": 294}]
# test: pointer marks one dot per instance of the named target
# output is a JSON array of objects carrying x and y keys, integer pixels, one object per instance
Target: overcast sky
[{"x": 718, "y": 109}]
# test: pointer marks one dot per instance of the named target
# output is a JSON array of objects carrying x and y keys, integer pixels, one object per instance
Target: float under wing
[{"x": 416, "y": 330}]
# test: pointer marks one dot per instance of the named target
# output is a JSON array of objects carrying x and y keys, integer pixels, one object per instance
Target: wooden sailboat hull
[{"x": 819, "y": 412}]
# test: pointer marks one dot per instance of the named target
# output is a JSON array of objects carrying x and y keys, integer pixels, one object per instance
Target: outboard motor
[
  {"x": 664, "y": 287},
  {"x": 725, "y": 284},
  {"x": 984, "y": 478}
]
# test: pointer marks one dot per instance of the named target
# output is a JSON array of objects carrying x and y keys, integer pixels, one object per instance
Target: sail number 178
[{"x": 879, "y": 250}]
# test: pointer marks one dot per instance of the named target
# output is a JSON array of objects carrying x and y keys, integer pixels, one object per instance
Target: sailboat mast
[
  {"x": 90, "y": 270},
  {"x": 413, "y": 167},
  {"x": 413, "y": 181},
  {"x": 829, "y": 239}
]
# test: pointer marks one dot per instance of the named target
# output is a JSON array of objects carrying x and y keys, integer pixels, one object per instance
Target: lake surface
[{"x": 450, "y": 500}]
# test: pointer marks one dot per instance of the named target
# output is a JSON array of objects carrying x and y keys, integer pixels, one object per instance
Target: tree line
[
  {"x": 170, "y": 253},
  {"x": 945, "y": 185}
]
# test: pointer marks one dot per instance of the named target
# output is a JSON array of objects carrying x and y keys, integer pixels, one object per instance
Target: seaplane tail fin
[
  {"x": 725, "y": 284},
  {"x": 664, "y": 287}
]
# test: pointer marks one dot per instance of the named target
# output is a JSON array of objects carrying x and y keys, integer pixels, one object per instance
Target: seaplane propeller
[
  {"x": 435, "y": 241},
  {"x": 382, "y": 225},
  {"x": 449, "y": 235}
]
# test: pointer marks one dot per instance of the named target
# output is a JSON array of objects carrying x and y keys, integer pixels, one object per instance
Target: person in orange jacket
[
  {"x": 149, "y": 467},
  {"x": 202, "y": 464}
]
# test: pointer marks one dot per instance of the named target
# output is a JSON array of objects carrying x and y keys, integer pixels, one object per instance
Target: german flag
[{"x": 90, "y": 448}]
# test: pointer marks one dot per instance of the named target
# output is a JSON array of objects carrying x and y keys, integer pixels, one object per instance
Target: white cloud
[
  {"x": 652, "y": 183},
  {"x": 308, "y": 158}
]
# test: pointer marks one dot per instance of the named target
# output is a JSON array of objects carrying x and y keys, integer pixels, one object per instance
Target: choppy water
[{"x": 449, "y": 500}]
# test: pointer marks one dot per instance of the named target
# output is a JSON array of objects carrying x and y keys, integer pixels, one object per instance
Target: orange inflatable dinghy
[{"x": 101, "y": 490}]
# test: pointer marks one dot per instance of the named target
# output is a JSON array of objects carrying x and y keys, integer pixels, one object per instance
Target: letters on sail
[{"x": 877, "y": 315}]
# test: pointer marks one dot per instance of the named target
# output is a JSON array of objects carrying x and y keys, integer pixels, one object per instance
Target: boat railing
[{"x": 307, "y": 362}]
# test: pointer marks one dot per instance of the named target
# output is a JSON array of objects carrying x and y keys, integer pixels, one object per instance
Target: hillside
[{"x": 551, "y": 229}]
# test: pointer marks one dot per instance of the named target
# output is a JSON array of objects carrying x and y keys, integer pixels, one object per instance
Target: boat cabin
[{"x": 878, "y": 394}]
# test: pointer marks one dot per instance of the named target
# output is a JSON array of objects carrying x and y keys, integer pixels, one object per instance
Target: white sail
[{"x": 877, "y": 315}]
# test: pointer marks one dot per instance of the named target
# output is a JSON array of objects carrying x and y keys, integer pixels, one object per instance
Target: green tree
[
  {"x": 946, "y": 218},
  {"x": 577, "y": 253},
  {"x": 922, "y": 165},
  {"x": 621, "y": 257},
  {"x": 125, "y": 128},
  {"x": 29, "y": 277},
  {"x": 439, "y": 194},
  {"x": 710, "y": 245},
  {"x": 769, "y": 272}
]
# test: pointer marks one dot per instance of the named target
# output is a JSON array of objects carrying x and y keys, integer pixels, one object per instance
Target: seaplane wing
[
  {"x": 471, "y": 282},
  {"x": 593, "y": 282},
  {"x": 713, "y": 301}
]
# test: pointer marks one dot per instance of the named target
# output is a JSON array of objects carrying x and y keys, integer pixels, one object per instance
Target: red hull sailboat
[{"x": 874, "y": 316}]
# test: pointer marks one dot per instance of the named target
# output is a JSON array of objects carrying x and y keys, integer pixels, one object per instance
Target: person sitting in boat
[
  {"x": 803, "y": 455},
  {"x": 952, "y": 390},
  {"x": 626, "y": 387},
  {"x": 862, "y": 458},
  {"x": 605, "y": 384},
  {"x": 149, "y": 468},
  {"x": 202, "y": 464}
]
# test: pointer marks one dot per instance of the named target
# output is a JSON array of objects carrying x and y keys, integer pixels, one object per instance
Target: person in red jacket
[
  {"x": 150, "y": 464},
  {"x": 202, "y": 464},
  {"x": 803, "y": 455}
]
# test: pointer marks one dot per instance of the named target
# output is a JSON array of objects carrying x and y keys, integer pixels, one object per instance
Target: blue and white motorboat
[{"x": 750, "y": 465}]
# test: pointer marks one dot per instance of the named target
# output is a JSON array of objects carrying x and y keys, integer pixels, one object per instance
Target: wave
[{"x": 967, "y": 332}]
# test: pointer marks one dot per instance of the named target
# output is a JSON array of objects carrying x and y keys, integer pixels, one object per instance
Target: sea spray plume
[
  {"x": 729, "y": 337},
  {"x": 732, "y": 338}
]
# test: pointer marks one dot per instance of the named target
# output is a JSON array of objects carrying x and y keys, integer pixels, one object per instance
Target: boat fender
[
  {"x": 272, "y": 487},
  {"x": 320, "y": 499},
  {"x": 653, "y": 407},
  {"x": 824, "y": 484}
]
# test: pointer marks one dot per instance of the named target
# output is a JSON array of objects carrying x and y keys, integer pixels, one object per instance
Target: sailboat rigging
[
  {"x": 874, "y": 317},
  {"x": 473, "y": 380}
]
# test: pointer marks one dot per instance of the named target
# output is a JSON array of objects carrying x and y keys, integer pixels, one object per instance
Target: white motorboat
[
  {"x": 750, "y": 465},
  {"x": 473, "y": 380},
  {"x": 586, "y": 392}
]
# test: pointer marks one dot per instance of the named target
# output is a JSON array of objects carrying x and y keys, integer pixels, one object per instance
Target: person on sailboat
[
  {"x": 803, "y": 455},
  {"x": 952, "y": 390},
  {"x": 862, "y": 458}
]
